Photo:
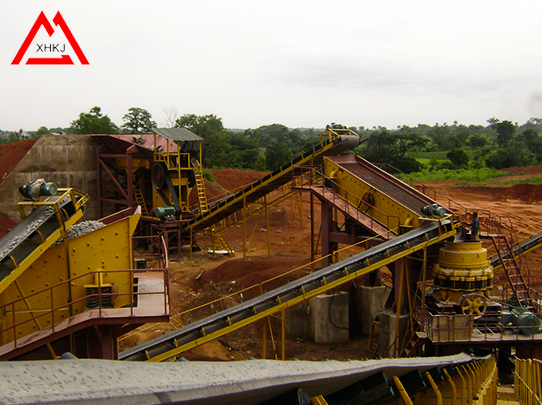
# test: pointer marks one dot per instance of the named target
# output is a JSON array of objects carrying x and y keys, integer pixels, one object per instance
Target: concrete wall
[
  {"x": 323, "y": 319},
  {"x": 67, "y": 160},
  {"x": 369, "y": 302}
]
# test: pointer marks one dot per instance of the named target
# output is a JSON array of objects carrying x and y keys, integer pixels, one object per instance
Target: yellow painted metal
[
  {"x": 329, "y": 142},
  {"x": 327, "y": 286},
  {"x": 319, "y": 400},
  {"x": 180, "y": 169},
  {"x": 435, "y": 388},
  {"x": 78, "y": 199},
  {"x": 452, "y": 387},
  {"x": 402, "y": 391},
  {"x": 527, "y": 381},
  {"x": 385, "y": 209},
  {"x": 463, "y": 268},
  {"x": 44, "y": 287}
]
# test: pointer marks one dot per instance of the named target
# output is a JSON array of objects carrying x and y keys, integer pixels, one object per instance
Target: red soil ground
[{"x": 205, "y": 278}]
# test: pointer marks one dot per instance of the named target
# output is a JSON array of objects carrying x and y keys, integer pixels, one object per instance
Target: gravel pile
[{"x": 81, "y": 229}]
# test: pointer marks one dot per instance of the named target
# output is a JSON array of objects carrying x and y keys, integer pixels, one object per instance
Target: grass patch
[
  {"x": 208, "y": 176},
  {"x": 466, "y": 176},
  {"x": 529, "y": 180}
]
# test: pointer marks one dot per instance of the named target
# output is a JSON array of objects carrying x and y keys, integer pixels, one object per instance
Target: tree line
[{"x": 498, "y": 145}]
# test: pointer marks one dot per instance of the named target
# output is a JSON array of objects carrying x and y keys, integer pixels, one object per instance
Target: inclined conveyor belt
[
  {"x": 315, "y": 283},
  {"x": 39, "y": 230},
  {"x": 521, "y": 248},
  {"x": 233, "y": 203}
]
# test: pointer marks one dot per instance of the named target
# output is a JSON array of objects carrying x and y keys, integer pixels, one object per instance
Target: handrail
[
  {"x": 50, "y": 293},
  {"x": 527, "y": 381},
  {"x": 260, "y": 287},
  {"x": 490, "y": 327},
  {"x": 359, "y": 201}
]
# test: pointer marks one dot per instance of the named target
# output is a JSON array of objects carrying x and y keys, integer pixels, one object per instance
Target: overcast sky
[{"x": 297, "y": 63}]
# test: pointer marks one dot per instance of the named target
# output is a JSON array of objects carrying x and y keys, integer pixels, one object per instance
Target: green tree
[
  {"x": 93, "y": 122},
  {"x": 386, "y": 147},
  {"x": 505, "y": 133},
  {"x": 137, "y": 121},
  {"x": 41, "y": 131},
  {"x": 211, "y": 129},
  {"x": 277, "y": 154},
  {"x": 458, "y": 157}
]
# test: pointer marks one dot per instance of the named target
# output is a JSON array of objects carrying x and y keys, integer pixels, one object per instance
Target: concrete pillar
[
  {"x": 297, "y": 322},
  {"x": 369, "y": 302},
  {"x": 323, "y": 319},
  {"x": 388, "y": 327},
  {"x": 329, "y": 318}
]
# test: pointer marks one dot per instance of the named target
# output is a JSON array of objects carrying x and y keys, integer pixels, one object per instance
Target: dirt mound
[
  {"x": 241, "y": 274},
  {"x": 232, "y": 179},
  {"x": 212, "y": 191},
  {"x": 528, "y": 193},
  {"x": 524, "y": 170},
  {"x": 11, "y": 154}
]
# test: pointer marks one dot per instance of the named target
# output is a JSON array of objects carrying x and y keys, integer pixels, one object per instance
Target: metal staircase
[
  {"x": 219, "y": 243},
  {"x": 512, "y": 270},
  {"x": 140, "y": 200},
  {"x": 200, "y": 188}
]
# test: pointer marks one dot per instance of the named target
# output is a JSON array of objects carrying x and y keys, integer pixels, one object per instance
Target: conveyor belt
[
  {"x": 27, "y": 240},
  {"x": 522, "y": 248},
  {"x": 339, "y": 141},
  {"x": 221, "y": 323}
]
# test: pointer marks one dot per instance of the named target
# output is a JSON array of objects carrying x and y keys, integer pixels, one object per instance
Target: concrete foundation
[
  {"x": 323, "y": 319},
  {"x": 388, "y": 328},
  {"x": 369, "y": 302},
  {"x": 67, "y": 160},
  {"x": 328, "y": 318}
]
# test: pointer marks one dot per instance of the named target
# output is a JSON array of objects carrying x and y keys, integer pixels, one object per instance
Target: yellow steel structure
[
  {"x": 388, "y": 257},
  {"x": 528, "y": 381},
  {"x": 29, "y": 301},
  {"x": 65, "y": 208},
  {"x": 179, "y": 170},
  {"x": 332, "y": 142},
  {"x": 367, "y": 187}
]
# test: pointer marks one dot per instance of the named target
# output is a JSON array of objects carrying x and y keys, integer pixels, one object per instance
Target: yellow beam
[{"x": 301, "y": 298}]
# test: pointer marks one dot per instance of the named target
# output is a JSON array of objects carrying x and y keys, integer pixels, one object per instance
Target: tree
[
  {"x": 505, "y": 133},
  {"x": 277, "y": 154},
  {"x": 138, "y": 121},
  {"x": 41, "y": 131},
  {"x": 458, "y": 157},
  {"x": 93, "y": 122},
  {"x": 211, "y": 129}
]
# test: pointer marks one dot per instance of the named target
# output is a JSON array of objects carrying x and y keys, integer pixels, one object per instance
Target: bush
[{"x": 208, "y": 176}]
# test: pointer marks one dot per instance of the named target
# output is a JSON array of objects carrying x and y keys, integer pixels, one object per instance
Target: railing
[
  {"x": 527, "y": 381},
  {"x": 51, "y": 315},
  {"x": 208, "y": 308},
  {"x": 490, "y": 327},
  {"x": 431, "y": 192}
]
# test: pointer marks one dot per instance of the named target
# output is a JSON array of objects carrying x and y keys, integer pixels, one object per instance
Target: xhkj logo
[{"x": 53, "y": 48}]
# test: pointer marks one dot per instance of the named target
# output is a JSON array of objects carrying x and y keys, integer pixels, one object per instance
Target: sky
[{"x": 296, "y": 63}]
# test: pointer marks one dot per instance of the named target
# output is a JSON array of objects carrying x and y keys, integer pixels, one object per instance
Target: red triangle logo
[{"x": 42, "y": 21}]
